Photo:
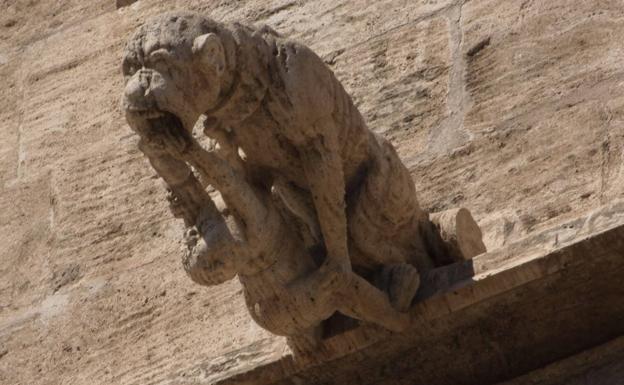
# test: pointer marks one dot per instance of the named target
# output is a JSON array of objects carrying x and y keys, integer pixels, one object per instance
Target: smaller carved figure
[{"x": 253, "y": 238}]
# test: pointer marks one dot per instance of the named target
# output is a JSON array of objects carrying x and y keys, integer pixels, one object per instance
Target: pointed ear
[{"x": 209, "y": 49}]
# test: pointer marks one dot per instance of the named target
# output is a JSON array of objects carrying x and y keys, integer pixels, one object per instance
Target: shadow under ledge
[{"x": 503, "y": 314}]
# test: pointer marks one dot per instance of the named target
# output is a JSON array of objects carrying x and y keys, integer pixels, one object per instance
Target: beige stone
[
  {"x": 85, "y": 195},
  {"x": 459, "y": 233},
  {"x": 486, "y": 313},
  {"x": 311, "y": 176},
  {"x": 123, "y": 3}
]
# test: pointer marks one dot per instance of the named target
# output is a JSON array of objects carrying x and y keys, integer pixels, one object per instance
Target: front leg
[
  {"x": 351, "y": 294},
  {"x": 325, "y": 178}
]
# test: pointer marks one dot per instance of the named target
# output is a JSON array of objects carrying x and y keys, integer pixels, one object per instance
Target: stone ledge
[
  {"x": 602, "y": 365},
  {"x": 499, "y": 316}
]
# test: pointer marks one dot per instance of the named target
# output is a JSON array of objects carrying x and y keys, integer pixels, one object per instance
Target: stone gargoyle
[{"x": 315, "y": 214}]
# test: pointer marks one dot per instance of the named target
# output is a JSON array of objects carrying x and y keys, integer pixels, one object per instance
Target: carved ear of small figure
[{"x": 209, "y": 49}]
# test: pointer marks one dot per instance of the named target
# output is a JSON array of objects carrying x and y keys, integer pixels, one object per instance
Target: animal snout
[{"x": 136, "y": 93}]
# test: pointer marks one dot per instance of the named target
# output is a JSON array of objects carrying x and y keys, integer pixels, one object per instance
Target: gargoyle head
[{"x": 175, "y": 66}]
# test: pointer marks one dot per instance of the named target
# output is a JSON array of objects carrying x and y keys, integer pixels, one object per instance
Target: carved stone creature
[{"x": 318, "y": 215}]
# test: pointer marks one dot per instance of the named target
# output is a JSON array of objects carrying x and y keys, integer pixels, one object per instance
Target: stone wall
[{"x": 514, "y": 109}]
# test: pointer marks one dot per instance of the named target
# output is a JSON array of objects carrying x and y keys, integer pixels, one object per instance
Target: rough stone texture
[
  {"x": 603, "y": 365},
  {"x": 86, "y": 298},
  {"x": 319, "y": 216},
  {"x": 498, "y": 316},
  {"x": 541, "y": 107},
  {"x": 124, "y": 3}
]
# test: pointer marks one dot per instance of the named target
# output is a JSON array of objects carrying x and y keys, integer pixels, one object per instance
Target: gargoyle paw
[{"x": 401, "y": 282}]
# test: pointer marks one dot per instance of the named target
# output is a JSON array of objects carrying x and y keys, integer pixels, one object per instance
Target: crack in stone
[
  {"x": 606, "y": 151},
  {"x": 19, "y": 146},
  {"x": 451, "y": 134},
  {"x": 424, "y": 17}
]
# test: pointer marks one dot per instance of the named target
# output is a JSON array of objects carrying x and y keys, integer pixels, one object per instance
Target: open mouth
[
  {"x": 168, "y": 125},
  {"x": 144, "y": 113},
  {"x": 163, "y": 121},
  {"x": 162, "y": 128}
]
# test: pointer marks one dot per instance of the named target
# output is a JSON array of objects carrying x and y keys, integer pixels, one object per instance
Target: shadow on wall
[{"x": 124, "y": 3}]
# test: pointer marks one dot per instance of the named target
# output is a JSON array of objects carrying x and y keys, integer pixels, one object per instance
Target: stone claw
[{"x": 401, "y": 281}]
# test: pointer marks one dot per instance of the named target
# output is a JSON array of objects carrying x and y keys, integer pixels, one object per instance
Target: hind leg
[
  {"x": 363, "y": 301},
  {"x": 385, "y": 223},
  {"x": 384, "y": 216}
]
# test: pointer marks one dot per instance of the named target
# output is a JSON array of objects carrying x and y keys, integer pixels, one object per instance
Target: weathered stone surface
[
  {"x": 603, "y": 365},
  {"x": 461, "y": 238},
  {"x": 24, "y": 22},
  {"x": 10, "y": 117},
  {"x": 401, "y": 89},
  {"x": 515, "y": 181},
  {"x": 498, "y": 316},
  {"x": 124, "y": 3},
  {"x": 313, "y": 177},
  {"x": 542, "y": 106}
]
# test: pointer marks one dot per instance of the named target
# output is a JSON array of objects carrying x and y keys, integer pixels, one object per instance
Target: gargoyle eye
[{"x": 129, "y": 67}]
